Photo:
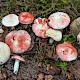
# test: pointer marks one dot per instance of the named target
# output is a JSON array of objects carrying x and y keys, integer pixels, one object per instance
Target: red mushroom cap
[
  {"x": 59, "y": 20},
  {"x": 26, "y": 18},
  {"x": 18, "y": 57},
  {"x": 18, "y": 41},
  {"x": 40, "y": 27},
  {"x": 66, "y": 51}
]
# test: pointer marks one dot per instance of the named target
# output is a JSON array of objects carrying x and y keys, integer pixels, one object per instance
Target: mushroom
[
  {"x": 66, "y": 51},
  {"x": 59, "y": 20},
  {"x": 54, "y": 34},
  {"x": 75, "y": 27},
  {"x": 26, "y": 18},
  {"x": 18, "y": 41},
  {"x": 10, "y": 20},
  {"x": 4, "y": 53},
  {"x": 78, "y": 37},
  {"x": 16, "y": 64},
  {"x": 40, "y": 27}
]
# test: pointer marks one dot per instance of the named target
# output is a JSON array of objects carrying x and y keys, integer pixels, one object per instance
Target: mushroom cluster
[
  {"x": 12, "y": 20},
  {"x": 20, "y": 41},
  {"x": 57, "y": 20},
  {"x": 15, "y": 41}
]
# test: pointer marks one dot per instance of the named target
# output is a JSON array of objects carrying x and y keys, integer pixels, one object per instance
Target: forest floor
[{"x": 41, "y": 59}]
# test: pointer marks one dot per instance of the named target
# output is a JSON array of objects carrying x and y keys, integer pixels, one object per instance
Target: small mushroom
[
  {"x": 16, "y": 64},
  {"x": 18, "y": 41},
  {"x": 54, "y": 34},
  {"x": 78, "y": 38},
  {"x": 66, "y": 51},
  {"x": 59, "y": 20},
  {"x": 26, "y": 18},
  {"x": 10, "y": 20},
  {"x": 40, "y": 27},
  {"x": 4, "y": 53}
]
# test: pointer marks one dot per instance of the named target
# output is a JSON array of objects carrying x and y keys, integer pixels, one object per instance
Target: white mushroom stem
[
  {"x": 78, "y": 38},
  {"x": 55, "y": 34},
  {"x": 16, "y": 66},
  {"x": 51, "y": 40}
]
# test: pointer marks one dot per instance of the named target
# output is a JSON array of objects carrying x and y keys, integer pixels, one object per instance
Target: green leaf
[
  {"x": 65, "y": 1},
  {"x": 61, "y": 64}
]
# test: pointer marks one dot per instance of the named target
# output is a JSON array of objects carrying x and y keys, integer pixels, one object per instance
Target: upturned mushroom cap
[
  {"x": 18, "y": 57},
  {"x": 66, "y": 52},
  {"x": 10, "y": 20},
  {"x": 4, "y": 53},
  {"x": 26, "y": 18},
  {"x": 55, "y": 34},
  {"x": 59, "y": 20},
  {"x": 18, "y": 41},
  {"x": 40, "y": 27}
]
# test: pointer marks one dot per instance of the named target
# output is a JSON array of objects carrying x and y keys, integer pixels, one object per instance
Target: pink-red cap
[
  {"x": 18, "y": 57},
  {"x": 26, "y": 18},
  {"x": 59, "y": 20},
  {"x": 40, "y": 27},
  {"x": 66, "y": 51}
]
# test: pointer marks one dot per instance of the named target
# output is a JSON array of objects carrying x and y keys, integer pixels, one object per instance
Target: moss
[{"x": 42, "y": 8}]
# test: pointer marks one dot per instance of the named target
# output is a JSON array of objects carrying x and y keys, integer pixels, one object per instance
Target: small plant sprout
[
  {"x": 4, "y": 53},
  {"x": 66, "y": 51},
  {"x": 10, "y": 20},
  {"x": 59, "y": 20},
  {"x": 26, "y": 18},
  {"x": 18, "y": 41},
  {"x": 16, "y": 64},
  {"x": 78, "y": 38},
  {"x": 61, "y": 64},
  {"x": 54, "y": 34},
  {"x": 40, "y": 27}
]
